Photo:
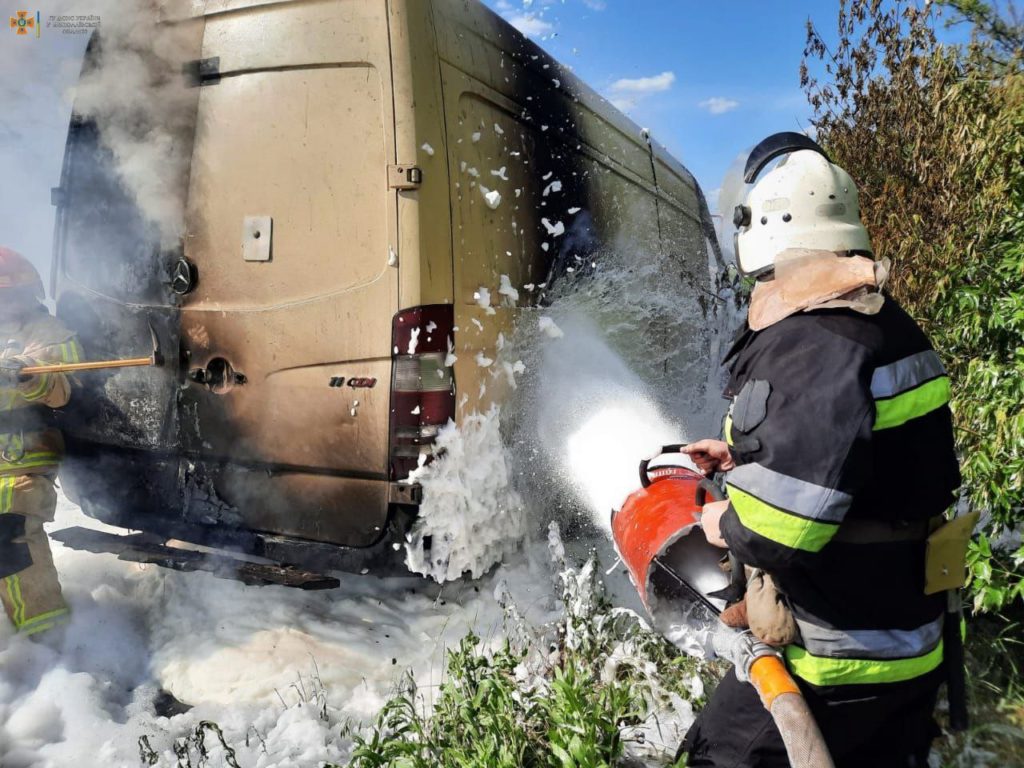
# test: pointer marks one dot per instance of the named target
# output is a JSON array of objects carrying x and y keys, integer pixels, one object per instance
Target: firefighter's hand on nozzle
[
  {"x": 711, "y": 522},
  {"x": 10, "y": 372},
  {"x": 710, "y": 456}
]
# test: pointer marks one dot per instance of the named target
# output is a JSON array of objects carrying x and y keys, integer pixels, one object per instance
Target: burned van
[{"x": 361, "y": 175}]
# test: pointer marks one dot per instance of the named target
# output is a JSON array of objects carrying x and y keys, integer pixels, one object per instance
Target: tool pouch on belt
[
  {"x": 945, "y": 560},
  {"x": 768, "y": 614}
]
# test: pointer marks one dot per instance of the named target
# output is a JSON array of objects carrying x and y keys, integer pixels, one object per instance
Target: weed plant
[{"x": 596, "y": 690}]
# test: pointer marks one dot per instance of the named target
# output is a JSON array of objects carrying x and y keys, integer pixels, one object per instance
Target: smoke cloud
[{"x": 137, "y": 96}]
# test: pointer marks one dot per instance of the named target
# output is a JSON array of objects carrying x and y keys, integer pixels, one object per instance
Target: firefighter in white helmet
[
  {"x": 804, "y": 202},
  {"x": 840, "y": 463},
  {"x": 30, "y": 446}
]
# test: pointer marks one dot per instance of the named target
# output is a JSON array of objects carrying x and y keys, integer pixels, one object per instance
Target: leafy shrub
[
  {"x": 581, "y": 694},
  {"x": 934, "y": 136}
]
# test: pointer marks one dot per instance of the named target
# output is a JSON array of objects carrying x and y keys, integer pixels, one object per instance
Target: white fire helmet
[{"x": 805, "y": 201}]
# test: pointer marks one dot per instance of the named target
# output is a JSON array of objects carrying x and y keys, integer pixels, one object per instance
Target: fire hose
[
  {"x": 760, "y": 665},
  {"x": 658, "y": 536}
]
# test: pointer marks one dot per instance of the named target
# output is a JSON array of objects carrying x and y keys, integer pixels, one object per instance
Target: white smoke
[
  {"x": 33, "y": 127},
  {"x": 142, "y": 103},
  {"x": 137, "y": 95}
]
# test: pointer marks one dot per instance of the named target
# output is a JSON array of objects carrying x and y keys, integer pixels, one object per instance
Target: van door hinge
[{"x": 404, "y": 177}]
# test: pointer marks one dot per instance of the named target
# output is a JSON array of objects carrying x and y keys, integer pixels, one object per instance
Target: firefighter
[
  {"x": 840, "y": 463},
  {"x": 30, "y": 446}
]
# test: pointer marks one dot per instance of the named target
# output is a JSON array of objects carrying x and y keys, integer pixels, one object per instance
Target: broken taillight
[{"x": 422, "y": 386}]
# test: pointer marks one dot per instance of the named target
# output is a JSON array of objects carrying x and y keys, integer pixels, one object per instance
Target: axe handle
[{"x": 35, "y": 370}]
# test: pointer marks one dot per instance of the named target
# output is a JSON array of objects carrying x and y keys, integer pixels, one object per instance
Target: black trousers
[{"x": 882, "y": 726}]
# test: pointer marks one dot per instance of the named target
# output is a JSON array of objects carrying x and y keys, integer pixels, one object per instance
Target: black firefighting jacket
[{"x": 843, "y": 440}]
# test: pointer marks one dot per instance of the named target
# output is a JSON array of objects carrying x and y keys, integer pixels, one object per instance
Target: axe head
[{"x": 156, "y": 357}]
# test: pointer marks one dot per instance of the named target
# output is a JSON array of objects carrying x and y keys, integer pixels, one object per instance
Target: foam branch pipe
[{"x": 761, "y": 666}]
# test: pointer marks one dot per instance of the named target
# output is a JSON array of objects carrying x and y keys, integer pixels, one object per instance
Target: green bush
[
  {"x": 550, "y": 699},
  {"x": 934, "y": 136}
]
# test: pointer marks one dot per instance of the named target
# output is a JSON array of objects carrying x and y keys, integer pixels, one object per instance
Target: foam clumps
[{"x": 471, "y": 515}]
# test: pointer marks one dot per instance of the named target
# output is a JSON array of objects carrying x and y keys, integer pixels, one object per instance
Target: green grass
[{"x": 995, "y": 660}]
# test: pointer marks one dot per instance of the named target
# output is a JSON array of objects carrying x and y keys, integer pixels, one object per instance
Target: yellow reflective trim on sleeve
[
  {"x": 894, "y": 411},
  {"x": 728, "y": 429},
  {"x": 778, "y": 525},
  {"x": 41, "y": 389},
  {"x": 70, "y": 352},
  {"x": 31, "y": 461},
  {"x": 823, "y": 670}
]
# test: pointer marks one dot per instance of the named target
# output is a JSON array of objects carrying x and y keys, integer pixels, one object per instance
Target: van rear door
[{"x": 288, "y": 284}]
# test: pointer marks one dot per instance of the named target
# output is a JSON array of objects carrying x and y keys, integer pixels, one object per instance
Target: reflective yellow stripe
[
  {"x": 14, "y": 593},
  {"x": 778, "y": 525},
  {"x": 41, "y": 389},
  {"x": 47, "y": 620},
  {"x": 36, "y": 629},
  {"x": 918, "y": 401},
  {"x": 822, "y": 670},
  {"x": 31, "y": 461},
  {"x": 70, "y": 352},
  {"x": 6, "y": 493},
  {"x": 20, "y": 614},
  {"x": 728, "y": 428}
]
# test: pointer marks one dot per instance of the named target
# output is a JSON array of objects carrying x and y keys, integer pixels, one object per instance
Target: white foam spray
[
  {"x": 596, "y": 418},
  {"x": 471, "y": 515}
]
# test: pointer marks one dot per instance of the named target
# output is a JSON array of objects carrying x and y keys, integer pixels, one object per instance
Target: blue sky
[{"x": 714, "y": 77}]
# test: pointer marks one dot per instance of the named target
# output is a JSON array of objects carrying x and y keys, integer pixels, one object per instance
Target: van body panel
[
  {"x": 424, "y": 215},
  {"x": 300, "y": 136},
  {"x": 273, "y": 413},
  {"x": 575, "y": 178}
]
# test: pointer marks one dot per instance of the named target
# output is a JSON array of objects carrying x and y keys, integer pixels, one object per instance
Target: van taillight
[{"x": 422, "y": 386}]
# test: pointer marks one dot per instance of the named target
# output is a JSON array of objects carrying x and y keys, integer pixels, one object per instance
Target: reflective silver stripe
[
  {"x": 869, "y": 643},
  {"x": 791, "y": 494},
  {"x": 892, "y": 379}
]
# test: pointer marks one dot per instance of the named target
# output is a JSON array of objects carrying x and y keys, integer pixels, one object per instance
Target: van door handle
[{"x": 218, "y": 376}]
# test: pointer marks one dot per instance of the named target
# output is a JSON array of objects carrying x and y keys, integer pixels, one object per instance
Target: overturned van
[{"x": 361, "y": 172}]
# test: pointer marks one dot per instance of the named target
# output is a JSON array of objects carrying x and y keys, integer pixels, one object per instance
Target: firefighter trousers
[
  {"x": 29, "y": 587},
  {"x": 882, "y": 726}
]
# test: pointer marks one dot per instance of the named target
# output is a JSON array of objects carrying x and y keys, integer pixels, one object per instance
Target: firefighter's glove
[
  {"x": 10, "y": 372},
  {"x": 740, "y": 648},
  {"x": 768, "y": 613},
  {"x": 735, "y": 616}
]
